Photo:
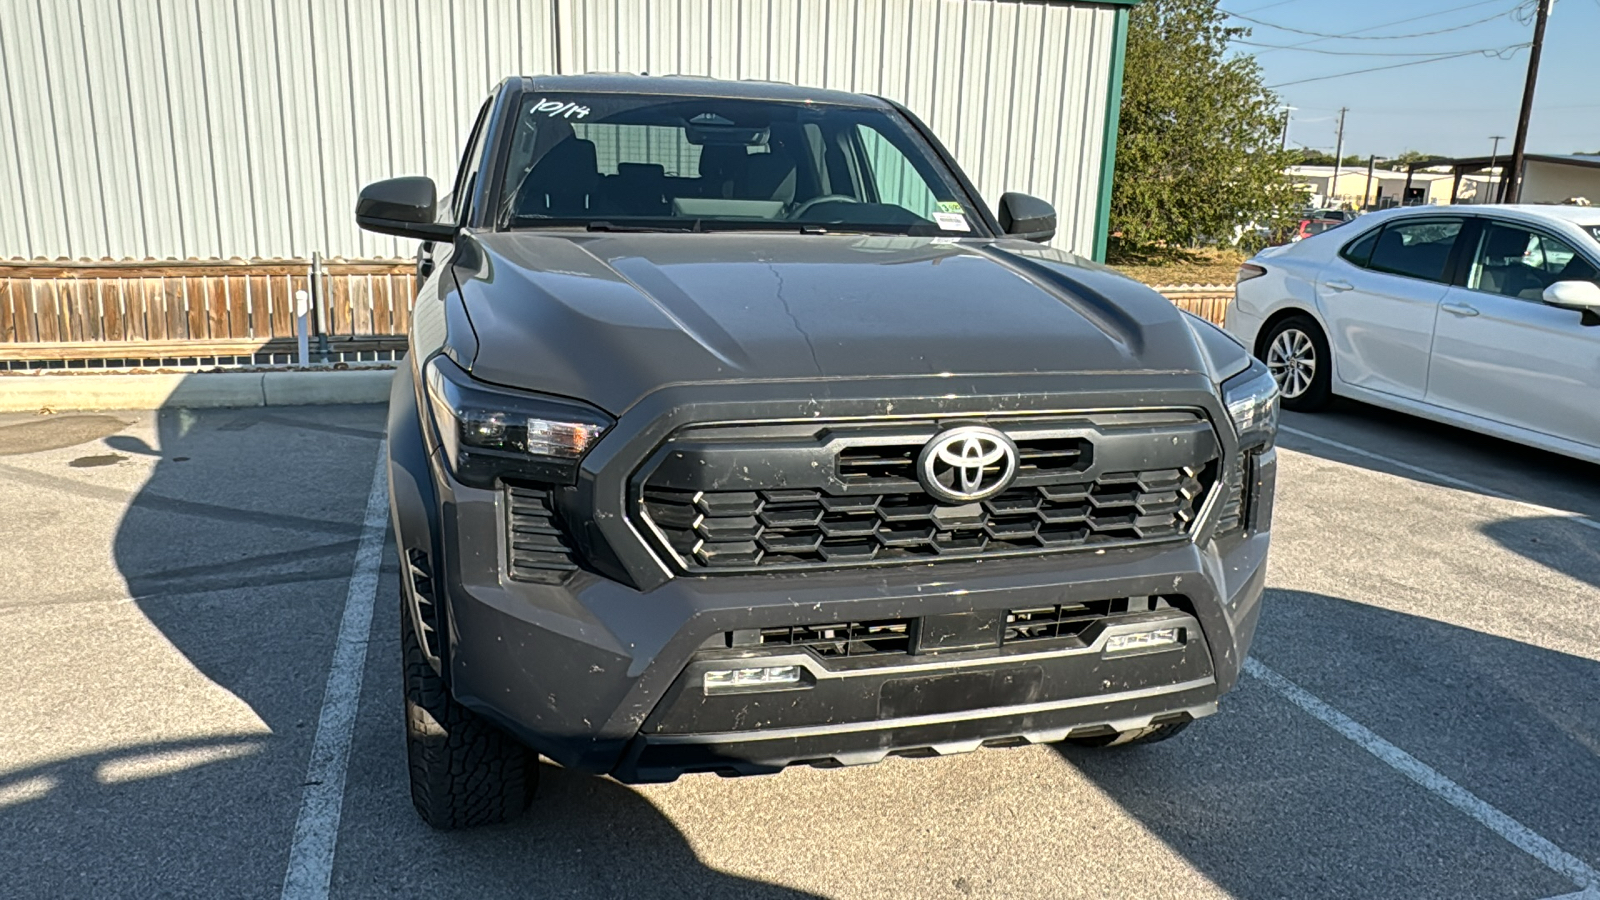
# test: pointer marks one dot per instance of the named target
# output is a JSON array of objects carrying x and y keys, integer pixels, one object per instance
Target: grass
[{"x": 1180, "y": 266}]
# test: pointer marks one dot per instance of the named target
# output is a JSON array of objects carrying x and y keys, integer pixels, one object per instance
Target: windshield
[{"x": 640, "y": 162}]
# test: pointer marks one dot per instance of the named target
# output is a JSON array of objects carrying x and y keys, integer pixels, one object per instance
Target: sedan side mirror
[
  {"x": 1027, "y": 217},
  {"x": 1583, "y": 296},
  {"x": 404, "y": 207}
]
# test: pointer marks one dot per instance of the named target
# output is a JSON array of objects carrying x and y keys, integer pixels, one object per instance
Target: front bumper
[{"x": 605, "y": 677}]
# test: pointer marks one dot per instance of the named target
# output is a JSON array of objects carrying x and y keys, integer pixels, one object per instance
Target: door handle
[
  {"x": 1460, "y": 309},
  {"x": 1339, "y": 284}
]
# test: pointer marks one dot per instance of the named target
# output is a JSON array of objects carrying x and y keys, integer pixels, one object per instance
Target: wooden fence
[
  {"x": 131, "y": 309},
  {"x": 53, "y": 311},
  {"x": 1208, "y": 301}
]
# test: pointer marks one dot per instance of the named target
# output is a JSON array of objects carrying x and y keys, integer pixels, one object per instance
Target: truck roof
[{"x": 695, "y": 86}]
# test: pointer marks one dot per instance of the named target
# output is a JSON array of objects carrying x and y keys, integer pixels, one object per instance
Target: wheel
[
  {"x": 1297, "y": 354},
  {"x": 464, "y": 771},
  {"x": 1152, "y": 734}
]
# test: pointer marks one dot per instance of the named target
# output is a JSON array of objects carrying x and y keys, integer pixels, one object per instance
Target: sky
[{"x": 1449, "y": 107}]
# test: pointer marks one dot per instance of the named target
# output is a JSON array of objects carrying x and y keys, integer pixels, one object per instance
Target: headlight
[
  {"x": 1252, "y": 401},
  {"x": 489, "y": 433}
]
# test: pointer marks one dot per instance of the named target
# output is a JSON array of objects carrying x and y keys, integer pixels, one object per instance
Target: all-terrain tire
[
  {"x": 1302, "y": 338},
  {"x": 1152, "y": 734},
  {"x": 465, "y": 772}
]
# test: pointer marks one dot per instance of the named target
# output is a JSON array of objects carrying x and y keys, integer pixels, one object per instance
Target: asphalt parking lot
[{"x": 1422, "y": 717}]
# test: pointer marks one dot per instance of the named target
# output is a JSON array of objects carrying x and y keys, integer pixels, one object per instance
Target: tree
[
  {"x": 1417, "y": 156},
  {"x": 1198, "y": 146},
  {"x": 1312, "y": 157}
]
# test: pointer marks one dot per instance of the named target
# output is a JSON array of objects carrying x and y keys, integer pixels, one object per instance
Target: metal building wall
[
  {"x": 245, "y": 128},
  {"x": 223, "y": 128}
]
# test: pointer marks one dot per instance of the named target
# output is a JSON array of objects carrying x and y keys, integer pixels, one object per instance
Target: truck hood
[{"x": 610, "y": 318}]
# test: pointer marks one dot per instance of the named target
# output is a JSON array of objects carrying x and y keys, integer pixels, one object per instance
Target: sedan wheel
[
  {"x": 1293, "y": 361},
  {"x": 1297, "y": 355}
]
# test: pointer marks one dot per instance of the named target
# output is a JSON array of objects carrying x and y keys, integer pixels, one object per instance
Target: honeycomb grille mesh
[{"x": 776, "y": 529}]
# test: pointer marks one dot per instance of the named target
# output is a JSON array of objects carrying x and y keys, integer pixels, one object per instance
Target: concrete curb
[{"x": 209, "y": 390}]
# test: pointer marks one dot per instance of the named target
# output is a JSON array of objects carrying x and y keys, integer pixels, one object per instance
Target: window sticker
[
  {"x": 557, "y": 109},
  {"x": 951, "y": 221},
  {"x": 949, "y": 206}
]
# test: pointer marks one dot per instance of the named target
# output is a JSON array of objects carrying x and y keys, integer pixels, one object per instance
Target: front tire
[
  {"x": 465, "y": 772},
  {"x": 1296, "y": 352}
]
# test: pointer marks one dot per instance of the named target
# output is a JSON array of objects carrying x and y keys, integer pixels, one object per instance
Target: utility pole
[
  {"x": 1338, "y": 156},
  {"x": 1283, "y": 144},
  {"x": 1520, "y": 147},
  {"x": 1366, "y": 193},
  {"x": 1494, "y": 160}
]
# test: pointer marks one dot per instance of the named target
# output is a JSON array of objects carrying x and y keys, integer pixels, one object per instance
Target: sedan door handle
[
  {"x": 1460, "y": 309},
  {"x": 1339, "y": 285}
]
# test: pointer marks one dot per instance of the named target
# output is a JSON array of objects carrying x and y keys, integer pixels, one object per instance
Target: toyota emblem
[{"x": 967, "y": 464}]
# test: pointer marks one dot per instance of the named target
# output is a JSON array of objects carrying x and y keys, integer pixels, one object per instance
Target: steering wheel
[{"x": 805, "y": 207}]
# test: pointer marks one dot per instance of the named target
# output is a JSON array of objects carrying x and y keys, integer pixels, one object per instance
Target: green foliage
[
  {"x": 1197, "y": 150},
  {"x": 1310, "y": 157},
  {"x": 1416, "y": 156}
]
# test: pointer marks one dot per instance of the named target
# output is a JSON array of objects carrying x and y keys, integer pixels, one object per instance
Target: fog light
[
  {"x": 718, "y": 680},
  {"x": 1154, "y": 639}
]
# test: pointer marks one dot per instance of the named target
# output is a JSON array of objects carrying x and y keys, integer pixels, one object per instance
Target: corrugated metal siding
[{"x": 223, "y": 128}]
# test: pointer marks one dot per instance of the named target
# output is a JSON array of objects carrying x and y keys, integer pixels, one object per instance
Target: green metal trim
[{"x": 1108, "y": 154}]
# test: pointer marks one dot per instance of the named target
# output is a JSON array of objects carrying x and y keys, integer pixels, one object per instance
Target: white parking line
[
  {"x": 316, "y": 830},
  {"x": 1443, "y": 478},
  {"x": 1517, "y": 834}
]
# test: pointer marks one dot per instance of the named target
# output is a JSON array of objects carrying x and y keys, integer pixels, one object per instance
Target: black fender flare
[{"x": 414, "y": 513}]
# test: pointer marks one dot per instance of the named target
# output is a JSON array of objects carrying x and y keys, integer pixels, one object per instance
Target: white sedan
[{"x": 1484, "y": 317}]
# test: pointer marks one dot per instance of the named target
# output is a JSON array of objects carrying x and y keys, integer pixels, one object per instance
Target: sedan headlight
[
  {"x": 1252, "y": 401},
  {"x": 489, "y": 433}
]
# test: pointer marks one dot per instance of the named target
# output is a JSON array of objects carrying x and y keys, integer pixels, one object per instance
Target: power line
[
  {"x": 1414, "y": 62},
  {"x": 1442, "y": 12},
  {"x": 1357, "y": 36},
  {"x": 1486, "y": 50}
]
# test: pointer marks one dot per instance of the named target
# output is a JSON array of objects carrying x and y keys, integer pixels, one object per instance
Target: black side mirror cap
[
  {"x": 404, "y": 207},
  {"x": 1027, "y": 217}
]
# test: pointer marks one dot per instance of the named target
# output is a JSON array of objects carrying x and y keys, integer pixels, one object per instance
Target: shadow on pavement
[
  {"x": 1502, "y": 466},
  {"x": 584, "y": 837},
  {"x": 1555, "y": 542},
  {"x": 238, "y": 549},
  {"x": 1269, "y": 803}
]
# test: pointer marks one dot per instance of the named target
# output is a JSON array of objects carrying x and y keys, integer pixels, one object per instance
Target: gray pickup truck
[{"x": 737, "y": 432}]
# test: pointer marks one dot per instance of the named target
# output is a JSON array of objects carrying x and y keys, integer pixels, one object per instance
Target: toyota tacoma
[{"x": 737, "y": 432}]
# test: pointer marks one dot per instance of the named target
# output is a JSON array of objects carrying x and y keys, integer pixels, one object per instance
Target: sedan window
[
  {"x": 1416, "y": 249},
  {"x": 1518, "y": 262}
]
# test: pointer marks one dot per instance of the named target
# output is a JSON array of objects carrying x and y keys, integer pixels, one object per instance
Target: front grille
[
  {"x": 536, "y": 547},
  {"x": 1231, "y": 515},
  {"x": 874, "y": 463},
  {"x": 789, "y": 528},
  {"x": 743, "y": 498}
]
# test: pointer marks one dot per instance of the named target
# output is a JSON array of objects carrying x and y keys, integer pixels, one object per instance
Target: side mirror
[
  {"x": 1583, "y": 296},
  {"x": 404, "y": 207},
  {"x": 1027, "y": 217}
]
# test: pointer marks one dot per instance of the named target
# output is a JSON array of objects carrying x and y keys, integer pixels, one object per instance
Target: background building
[
  {"x": 213, "y": 129},
  {"x": 1386, "y": 187}
]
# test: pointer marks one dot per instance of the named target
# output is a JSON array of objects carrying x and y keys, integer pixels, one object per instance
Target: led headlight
[
  {"x": 1252, "y": 401},
  {"x": 489, "y": 432}
]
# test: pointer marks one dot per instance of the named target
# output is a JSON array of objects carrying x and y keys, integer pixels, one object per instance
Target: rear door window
[
  {"x": 1359, "y": 252},
  {"x": 1416, "y": 249}
]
